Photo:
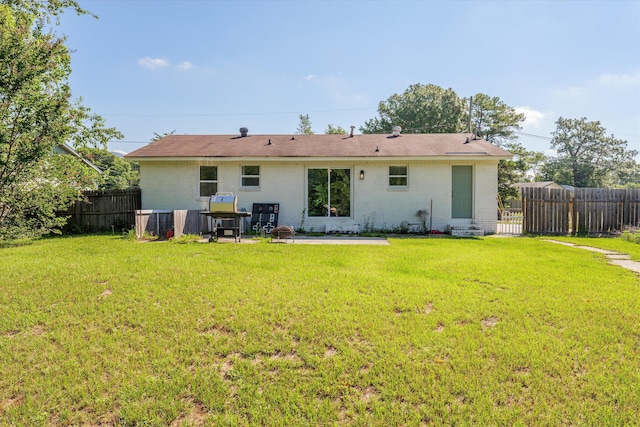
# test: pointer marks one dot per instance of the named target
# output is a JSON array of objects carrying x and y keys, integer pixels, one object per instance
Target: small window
[
  {"x": 208, "y": 180},
  {"x": 398, "y": 176},
  {"x": 251, "y": 176}
]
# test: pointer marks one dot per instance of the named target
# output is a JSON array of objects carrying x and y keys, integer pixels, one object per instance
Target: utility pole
[{"x": 470, "y": 105}]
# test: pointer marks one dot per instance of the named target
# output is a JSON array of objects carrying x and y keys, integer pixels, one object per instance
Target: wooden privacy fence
[
  {"x": 603, "y": 210},
  {"x": 582, "y": 211},
  {"x": 546, "y": 211},
  {"x": 102, "y": 210},
  {"x": 159, "y": 222}
]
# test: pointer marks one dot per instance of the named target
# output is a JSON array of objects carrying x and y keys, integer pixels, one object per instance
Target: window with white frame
[
  {"x": 398, "y": 176},
  {"x": 251, "y": 176},
  {"x": 329, "y": 192},
  {"x": 208, "y": 180}
]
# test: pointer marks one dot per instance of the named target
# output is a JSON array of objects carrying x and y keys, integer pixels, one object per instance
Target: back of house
[{"x": 330, "y": 182}]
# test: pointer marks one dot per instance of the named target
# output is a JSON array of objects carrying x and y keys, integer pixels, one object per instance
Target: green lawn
[
  {"x": 514, "y": 331},
  {"x": 611, "y": 244}
]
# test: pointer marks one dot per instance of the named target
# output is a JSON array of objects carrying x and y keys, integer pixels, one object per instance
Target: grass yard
[
  {"x": 610, "y": 244},
  {"x": 516, "y": 331}
]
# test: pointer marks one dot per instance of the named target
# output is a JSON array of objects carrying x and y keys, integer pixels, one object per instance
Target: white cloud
[
  {"x": 610, "y": 91},
  {"x": 619, "y": 81},
  {"x": 334, "y": 87},
  {"x": 158, "y": 63},
  {"x": 186, "y": 65},
  {"x": 308, "y": 78},
  {"x": 533, "y": 117},
  {"x": 153, "y": 63},
  {"x": 341, "y": 91},
  {"x": 611, "y": 99}
]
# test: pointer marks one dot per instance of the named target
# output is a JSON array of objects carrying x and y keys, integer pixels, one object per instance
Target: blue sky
[{"x": 211, "y": 67}]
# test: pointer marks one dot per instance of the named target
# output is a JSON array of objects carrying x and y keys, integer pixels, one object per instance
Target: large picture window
[
  {"x": 329, "y": 192},
  {"x": 251, "y": 176},
  {"x": 398, "y": 176},
  {"x": 208, "y": 180}
]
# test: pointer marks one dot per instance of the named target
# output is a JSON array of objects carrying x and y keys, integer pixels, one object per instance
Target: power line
[
  {"x": 546, "y": 138},
  {"x": 237, "y": 114}
]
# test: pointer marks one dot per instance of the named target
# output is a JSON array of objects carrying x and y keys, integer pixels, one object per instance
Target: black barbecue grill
[{"x": 227, "y": 221}]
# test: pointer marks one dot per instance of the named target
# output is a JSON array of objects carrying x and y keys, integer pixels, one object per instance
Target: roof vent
[
  {"x": 395, "y": 131},
  {"x": 351, "y": 134},
  {"x": 244, "y": 132}
]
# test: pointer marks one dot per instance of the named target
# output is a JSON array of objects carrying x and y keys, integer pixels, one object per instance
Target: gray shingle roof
[{"x": 319, "y": 146}]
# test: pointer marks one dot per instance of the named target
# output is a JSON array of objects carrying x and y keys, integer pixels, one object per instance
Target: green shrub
[
  {"x": 130, "y": 235},
  {"x": 631, "y": 236}
]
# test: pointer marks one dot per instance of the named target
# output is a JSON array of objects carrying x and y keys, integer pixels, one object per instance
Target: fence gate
[{"x": 510, "y": 222}]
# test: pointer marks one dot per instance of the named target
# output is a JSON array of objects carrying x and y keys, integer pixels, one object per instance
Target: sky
[{"x": 212, "y": 66}]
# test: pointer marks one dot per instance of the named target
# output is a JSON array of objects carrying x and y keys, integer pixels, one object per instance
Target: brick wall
[{"x": 175, "y": 185}]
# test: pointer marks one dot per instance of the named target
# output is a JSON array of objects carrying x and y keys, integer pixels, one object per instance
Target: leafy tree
[
  {"x": 37, "y": 113},
  {"x": 432, "y": 109},
  {"x": 420, "y": 109},
  {"x": 630, "y": 176},
  {"x": 587, "y": 157},
  {"x": 304, "y": 126},
  {"x": 331, "y": 130},
  {"x": 36, "y": 204},
  {"x": 45, "y": 8},
  {"x": 496, "y": 122},
  {"x": 157, "y": 136},
  {"x": 516, "y": 169},
  {"x": 118, "y": 173}
]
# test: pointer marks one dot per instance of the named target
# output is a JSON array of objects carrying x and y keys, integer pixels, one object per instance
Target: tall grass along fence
[
  {"x": 105, "y": 210},
  {"x": 582, "y": 211},
  {"x": 159, "y": 222}
]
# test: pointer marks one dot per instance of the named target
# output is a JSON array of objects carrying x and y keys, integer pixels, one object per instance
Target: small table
[{"x": 232, "y": 228}]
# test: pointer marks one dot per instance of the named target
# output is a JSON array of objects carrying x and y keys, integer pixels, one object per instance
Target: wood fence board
[
  {"x": 632, "y": 208},
  {"x": 105, "y": 210},
  {"x": 586, "y": 210},
  {"x": 187, "y": 222},
  {"x": 159, "y": 222}
]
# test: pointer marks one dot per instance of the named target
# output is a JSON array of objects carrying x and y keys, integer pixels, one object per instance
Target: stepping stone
[
  {"x": 628, "y": 264},
  {"x": 600, "y": 251},
  {"x": 617, "y": 256},
  {"x": 614, "y": 258}
]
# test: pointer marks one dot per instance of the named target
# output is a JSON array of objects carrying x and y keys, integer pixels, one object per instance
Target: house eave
[{"x": 452, "y": 157}]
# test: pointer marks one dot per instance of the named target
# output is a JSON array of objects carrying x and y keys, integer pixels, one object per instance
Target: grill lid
[{"x": 223, "y": 202}]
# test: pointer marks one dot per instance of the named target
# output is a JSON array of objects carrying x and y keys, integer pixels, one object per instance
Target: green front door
[{"x": 462, "y": 192}]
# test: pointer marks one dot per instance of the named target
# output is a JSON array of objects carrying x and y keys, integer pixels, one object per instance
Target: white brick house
[{"x": 330, "y": 182}]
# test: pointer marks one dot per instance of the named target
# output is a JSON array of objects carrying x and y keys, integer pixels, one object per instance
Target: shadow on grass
[{"x": 15, "y": 243}]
